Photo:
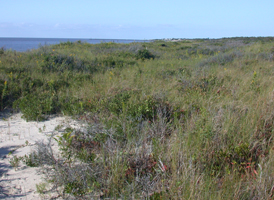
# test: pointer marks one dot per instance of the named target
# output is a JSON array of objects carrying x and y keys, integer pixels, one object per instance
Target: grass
[{"x": 167, "y": 120}]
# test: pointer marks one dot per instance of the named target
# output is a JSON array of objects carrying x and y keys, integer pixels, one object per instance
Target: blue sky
[{"x": 136, "y": 19}]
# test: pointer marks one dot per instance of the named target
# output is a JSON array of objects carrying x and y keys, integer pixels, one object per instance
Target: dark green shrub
[
  {"x": 234, "y": 158},
  {"x": 111, "y": 62},
  {"x": 58, "y": 63},
  {"x": 150, "y": 107},
  {"x": 265, "y": 56},
  {"x": 156, "y": 196},
  {"x": 221, "y": 59},
  {"x": 3, "y": 92},
  {"x": 9, "y": 91},
  {"x": 70, "y": 105},
  {"x": 207, "y": 83},
  {"x": 145, "y": 109},
  {"x": 206, "y": 51},
  {"x": 76, "y": 188},
  {"x": 57, "y": 85},
  {"x": 79, "y": 145},
  {"x": 168, "y": 73},
  {"x": 62, "y": 63},
  {"x": 2, "y": 50},
  {"x": 66, "y": 44},
  {"x": 34, "y": 106},
  {"x": 185, "y": 47},
  {"x": 29, "y": 85},
  {"x": 115, "y": 104},
  {"x": 125, "y": 54},
  {"x": 31, "y": 160},
  {"x": 144, "y": 54}
]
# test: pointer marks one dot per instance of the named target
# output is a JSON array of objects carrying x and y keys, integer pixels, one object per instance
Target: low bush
[
  {"x": 221, "y": 59},
  {"x": 144, "y": 54},
  {"x": 34, "y": 107},
  {"x": 2, "y": 50}
]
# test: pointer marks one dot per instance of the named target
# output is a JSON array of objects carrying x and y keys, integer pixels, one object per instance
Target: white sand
[{"x": 15, "y": 133}]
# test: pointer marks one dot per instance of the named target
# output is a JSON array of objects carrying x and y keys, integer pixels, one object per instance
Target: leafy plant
[
  {"x": 2, "y": 50},
  {"x": 35, "y": 107},
  {"x": 3, "y": 94},
  {"x": 144, "y": 54},
  {"x": 41, "y": 188},
  {"x": 15, "y": 161},
  {"x": 64, "y": 143},
  {"x": 31, "y": 160}
]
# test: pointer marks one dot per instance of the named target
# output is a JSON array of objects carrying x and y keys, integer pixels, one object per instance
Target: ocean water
[{"x": 25, "y": 44}]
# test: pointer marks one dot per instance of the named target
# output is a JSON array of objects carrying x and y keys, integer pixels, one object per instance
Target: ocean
[{"x": 25, "y": 44}]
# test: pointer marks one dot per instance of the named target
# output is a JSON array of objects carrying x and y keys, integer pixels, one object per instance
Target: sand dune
[{"x": 18, "y": 138}]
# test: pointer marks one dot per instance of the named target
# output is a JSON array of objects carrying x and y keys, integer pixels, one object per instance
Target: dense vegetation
[{"x": 189, "y": 119}]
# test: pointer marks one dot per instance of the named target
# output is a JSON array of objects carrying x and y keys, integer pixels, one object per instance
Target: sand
[{"x": 18, "y": 138}]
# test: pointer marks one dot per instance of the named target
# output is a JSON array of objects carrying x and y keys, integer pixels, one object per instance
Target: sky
[{"x": 136, "y": 19}]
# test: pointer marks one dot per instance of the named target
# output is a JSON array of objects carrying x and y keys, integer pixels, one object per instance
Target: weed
[
  {"x": 255, "y": 83},
  {"x": 15, "y": 161},
  {"x": 31, "y": 160},
  {"x": 41, "y": 188}
]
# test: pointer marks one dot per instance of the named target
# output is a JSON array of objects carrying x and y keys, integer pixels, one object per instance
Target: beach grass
[{"x": 184, "y": 119}]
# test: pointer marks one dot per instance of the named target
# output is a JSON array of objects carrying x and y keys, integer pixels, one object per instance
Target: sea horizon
[
  {"x": 22, "y": 44},
  {"x": 77, "y": 38}
]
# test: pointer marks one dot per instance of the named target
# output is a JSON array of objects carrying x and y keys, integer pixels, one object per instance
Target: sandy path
[{"x": 15, "y": 133}]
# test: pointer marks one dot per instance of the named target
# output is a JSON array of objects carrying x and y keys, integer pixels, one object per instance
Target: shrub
[
  {"x": 224, "y": 161},
  {"x": 31, "y": 160},
  {"x": 15, "y": 161},
  {"x": 221, "y": 59},
  {"x": 35, "y": 107},
  {"x": 144, "y": 54},
  {"x": 117, "y": 102},
  {"x": 2, "y": 50},
  {"x": 266, "y": 56}
]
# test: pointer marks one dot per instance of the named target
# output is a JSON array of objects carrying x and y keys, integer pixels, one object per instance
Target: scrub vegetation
[{"x": 185, "y": 119}]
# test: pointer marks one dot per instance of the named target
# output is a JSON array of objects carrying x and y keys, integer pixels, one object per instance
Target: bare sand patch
[{"x": 18, "y": 138}]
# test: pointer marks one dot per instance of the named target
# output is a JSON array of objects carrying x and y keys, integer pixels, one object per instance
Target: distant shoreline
[
  {"x": 25, "y": 44},
  {"x": 75, "y": 38}
]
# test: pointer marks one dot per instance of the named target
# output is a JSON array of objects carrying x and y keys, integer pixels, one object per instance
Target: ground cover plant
[{"x": 181, "y": 119}]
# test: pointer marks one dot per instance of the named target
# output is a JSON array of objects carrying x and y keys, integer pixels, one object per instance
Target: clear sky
[{"x": 136, "y": 19}]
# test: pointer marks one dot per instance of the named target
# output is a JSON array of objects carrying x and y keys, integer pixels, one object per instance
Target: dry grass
[{"x": 195, "y": 122}]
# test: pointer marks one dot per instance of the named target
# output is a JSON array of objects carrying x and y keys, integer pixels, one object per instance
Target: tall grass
[{"x": 168, "y": 120}]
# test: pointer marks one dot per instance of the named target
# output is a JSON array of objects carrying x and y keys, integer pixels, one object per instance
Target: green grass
[{"x": 191, "y": 119}]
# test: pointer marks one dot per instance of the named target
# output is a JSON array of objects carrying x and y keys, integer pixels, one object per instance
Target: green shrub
[
  {"x": 15, "y": 161},
  {"x": 35, "y": 107},
  {"x": 234, "y": 158},
  {"x": 118, "y": 102},
  {"x": 68, "y": 105},
  {"x": 2, "y": 51},
  {"x": 144, "y": 54},
  {"x": 221, "y": 59},
  {"x": 145, "y": 109},
  {"x": 31, "y": 160}
]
